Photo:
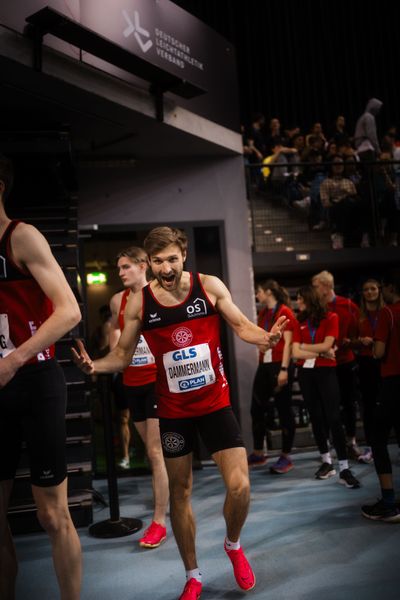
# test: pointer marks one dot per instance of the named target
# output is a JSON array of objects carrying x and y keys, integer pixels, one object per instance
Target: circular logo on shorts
[
  {"x": 172, "y": 442},
  {"x": 182, "y": 336}
]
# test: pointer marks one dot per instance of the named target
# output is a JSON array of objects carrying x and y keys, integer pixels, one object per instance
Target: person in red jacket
[
  {"x": 387, "y": 411},
  {"x": 179, "y": 314},
  {"x": 368, "y": 367},
  {"x": 348, "y": 314},
  {"x": 273, "y": 378},
  {"x": 37, "y": 308},
  {"x": 314, "y": 337}
]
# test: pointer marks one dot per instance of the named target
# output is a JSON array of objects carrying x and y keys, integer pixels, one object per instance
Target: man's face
[
  {"x": 167, "y": 266},
  {"x": 387, "y": 292},
  {"x": 130, "y": 272},
  {"x": 320, "y": 288}
]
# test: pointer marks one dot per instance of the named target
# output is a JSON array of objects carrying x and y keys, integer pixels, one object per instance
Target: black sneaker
[
  {"x": 347, "y": 478},
  {"x": 381, "y": 512},
  {"x": 325, "y": 471}
]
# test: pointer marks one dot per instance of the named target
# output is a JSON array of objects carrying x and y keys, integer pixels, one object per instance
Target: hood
[{"x": 373, "y": 106}]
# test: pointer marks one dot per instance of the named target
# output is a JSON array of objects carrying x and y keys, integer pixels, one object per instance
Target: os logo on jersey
[
  {"x": 198, "y": 308},
  {"x": 182, "y": 336},
  {"x": 172, "y": 442}
]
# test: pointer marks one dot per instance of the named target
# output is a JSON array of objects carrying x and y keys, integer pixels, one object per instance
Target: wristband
[{"x": 283, "y": 368}]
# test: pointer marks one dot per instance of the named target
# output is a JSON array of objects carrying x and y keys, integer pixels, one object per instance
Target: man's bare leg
[
  {"x": 124, "y": 432},
  {"x": 149, "y": 431},
  {"x": 182, "y": 519},
  {"x": 8, "y": 559},
  {"x": 54, "y": 517},
  {"x": 232, "y": 464}
]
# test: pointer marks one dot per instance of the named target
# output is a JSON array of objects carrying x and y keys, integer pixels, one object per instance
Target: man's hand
[
  {"x": 276, "y": 331},
  {"x": 8, "y": 368},
  {"x": 283, "y": 378},
  {"x": 82, "y": 360},
  {"x": 366, "y": 341}
]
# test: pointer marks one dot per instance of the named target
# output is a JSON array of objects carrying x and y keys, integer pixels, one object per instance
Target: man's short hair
[
  {"x": 6, "y": 174},
  {"x": 326, "y": 278},
  {"x": 134, "y": 253},
  {"x": 392, "y": 277},
  {"x": 161, "y": 237}
]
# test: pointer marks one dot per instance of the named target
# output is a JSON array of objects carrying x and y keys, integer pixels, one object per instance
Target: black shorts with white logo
[
  {"x": 219, "y": 430},
  {"x": 141, "y": 401},
  {"x": 32, "y": 408}
]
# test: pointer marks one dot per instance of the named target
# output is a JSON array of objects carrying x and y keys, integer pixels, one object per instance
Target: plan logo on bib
[
  {"x": 141, "y": 35},
  {"x": 181, "y": 336}
]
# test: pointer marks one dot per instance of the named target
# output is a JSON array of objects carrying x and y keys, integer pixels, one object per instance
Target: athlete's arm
[
  {"x": 115, "y": 332},
  {"x": 120, "y": 357},
  {"x": 241, "y": 325},
  {"x": 31, "y": 252}
]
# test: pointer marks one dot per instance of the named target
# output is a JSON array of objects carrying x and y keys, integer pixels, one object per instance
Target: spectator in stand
[
  {"x": 348, "y": 314},
  {"x": 386, "y": 185},
  {"x": 276, "y": 175},
  {"x": 315, "y": 142},
  {"x": 365, "y": 136},
  {"x": 314, "y": 338},
  {"x": 387, "y": 412},
  {"x": 339, "y": 195},
  {"x": 252, "y": 156},
  {"x": 256, "y": 132},
  {"x": 368, "y": 367},
  {"x": 331, "y": 150},
  {"x": 339, "y": 133},
  {"x": 316, "y": 131},
  {"x": 275, "y": 136},
  {"x": 273, "y": 378}
]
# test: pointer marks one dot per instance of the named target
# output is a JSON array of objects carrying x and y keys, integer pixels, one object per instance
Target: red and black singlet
[
  {"x": 185, "y": 340},
  {"x": 142, "y": 369},
  {"x": 23, "y": 304}
]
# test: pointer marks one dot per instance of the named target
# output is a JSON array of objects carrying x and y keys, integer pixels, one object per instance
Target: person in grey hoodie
[{"x": 365, "y": 136}]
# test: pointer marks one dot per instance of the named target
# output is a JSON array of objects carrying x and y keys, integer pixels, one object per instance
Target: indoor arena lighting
[{"x": 96, "y": 278}]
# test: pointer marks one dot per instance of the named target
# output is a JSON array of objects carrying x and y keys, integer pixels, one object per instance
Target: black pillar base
[{"x": 113, "y": 529}]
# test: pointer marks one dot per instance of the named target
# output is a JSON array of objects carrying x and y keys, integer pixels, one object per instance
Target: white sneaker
[
  {"x": 319, "y": 226},
  {"x": 124, "y": 463},
  {"x": 305, "y": 203}
]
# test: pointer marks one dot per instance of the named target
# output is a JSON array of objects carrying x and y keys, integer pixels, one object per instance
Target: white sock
[
  {"x": 343, "y": 464},
  {"x": 326, "y": 458},
  {"x": 232, "y": 545},
  {"x": 193, "y": 574}
]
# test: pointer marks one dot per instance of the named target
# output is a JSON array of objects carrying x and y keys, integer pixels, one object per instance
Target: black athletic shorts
[
  {"x": 32, "y": 408},
  {"x": 141, "y": 401},
  {"x": 219, "y": 430}
]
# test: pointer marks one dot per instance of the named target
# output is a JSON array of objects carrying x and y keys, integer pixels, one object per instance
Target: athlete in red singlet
[
  {"x": 139, "y": 400},
  {"x": 178, "y": 311},
  {"x": 37, "y": 307}
]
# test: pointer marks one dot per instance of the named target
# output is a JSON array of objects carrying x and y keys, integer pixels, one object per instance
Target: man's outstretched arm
[{"x": 241, "y": 325}]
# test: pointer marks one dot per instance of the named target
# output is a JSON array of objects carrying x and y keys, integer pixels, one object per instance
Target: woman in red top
[
  {"x": 314, "y": 337},
  {"x": 273, "y": 378},
  {"x": 369, "y": 367}
]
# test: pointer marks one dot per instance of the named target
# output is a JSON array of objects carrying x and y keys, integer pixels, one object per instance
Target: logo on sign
[
  {"x": 182, "y": 336},
  {"x": 141, "y": 35},
  {"x": 193, "y": 383},
  {"x": 198, "y": 308}
]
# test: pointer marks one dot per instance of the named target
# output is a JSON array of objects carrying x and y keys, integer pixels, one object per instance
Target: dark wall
[{"x": 311, "y": 60}]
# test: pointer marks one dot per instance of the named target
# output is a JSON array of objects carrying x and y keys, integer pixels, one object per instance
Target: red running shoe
[
  {"x": 154, "y": 535},
  {"x": 242, "y": 570},
  {"x": 192, "y": 590}
]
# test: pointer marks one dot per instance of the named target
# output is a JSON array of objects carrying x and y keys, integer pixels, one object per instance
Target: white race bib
[
  {"x": 309, "y": 363},
  {"x": 142, "y": 355},
  {"x": 6, "y": 345},
  {"x": 268, "y": 356},
  {"x": 189, "y": 368}
]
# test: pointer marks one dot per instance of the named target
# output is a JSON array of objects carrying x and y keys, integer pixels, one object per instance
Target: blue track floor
[{"x": 306, "y": 540}]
